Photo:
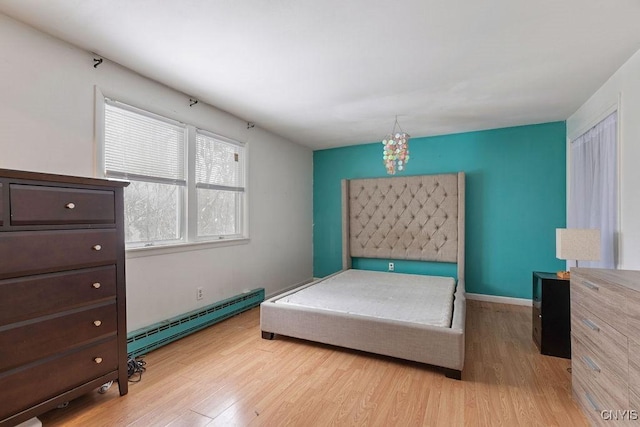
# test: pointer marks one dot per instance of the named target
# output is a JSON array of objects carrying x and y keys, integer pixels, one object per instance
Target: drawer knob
[
  {"x": 591, "y": 402},
  {"x": 96, "y": 285},
  {"x": 97, "y": 247},
  {"x": 70, "y": 205},
  {"x": 98, "y": 360},
  {"x": 97, "y": 322},
  {"x": 591, "y": 364},
  {"x": 591, "y": 286}
]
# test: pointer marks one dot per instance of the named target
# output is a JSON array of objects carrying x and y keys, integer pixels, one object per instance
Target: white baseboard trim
[{"x": 499, "y": 300}]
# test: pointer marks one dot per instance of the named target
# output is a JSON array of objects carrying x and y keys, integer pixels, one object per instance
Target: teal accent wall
[{"x": 515, "y": 199}]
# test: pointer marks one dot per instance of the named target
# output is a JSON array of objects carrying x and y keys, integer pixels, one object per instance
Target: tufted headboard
[{"x": 413, "y": 218}]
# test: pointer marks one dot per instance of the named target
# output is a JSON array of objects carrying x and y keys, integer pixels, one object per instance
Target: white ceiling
[{"x": 333, "y": 73}]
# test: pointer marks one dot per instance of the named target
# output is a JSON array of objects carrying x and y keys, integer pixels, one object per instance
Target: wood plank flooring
[{"x": 227, "y": 375}]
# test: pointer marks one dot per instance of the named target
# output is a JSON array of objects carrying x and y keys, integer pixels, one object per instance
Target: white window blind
[
  {"x": 142, "y": 146},
  {"x": 186, "y": 185}
]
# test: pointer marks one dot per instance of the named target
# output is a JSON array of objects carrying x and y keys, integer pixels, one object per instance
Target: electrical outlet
[
  {"x": 199, "y": 293},
  {"x": 391, "y": 266}
]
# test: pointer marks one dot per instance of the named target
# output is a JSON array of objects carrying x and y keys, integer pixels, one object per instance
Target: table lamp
[{"x": 579, "y": 244}]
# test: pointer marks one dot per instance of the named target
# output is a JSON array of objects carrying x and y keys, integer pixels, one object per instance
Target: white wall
[
  {"x": 47, "y": 125},
  {"x": 622, "y": 88}
]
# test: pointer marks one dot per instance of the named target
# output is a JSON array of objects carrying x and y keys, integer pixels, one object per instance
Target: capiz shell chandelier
[{"x": 396, "y": 149}]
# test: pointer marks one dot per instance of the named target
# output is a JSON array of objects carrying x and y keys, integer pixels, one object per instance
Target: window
[
  {"x": 219, "y": 186},
  {"x": 593, "y": 187},
  {"x": 187, "y": 185}
]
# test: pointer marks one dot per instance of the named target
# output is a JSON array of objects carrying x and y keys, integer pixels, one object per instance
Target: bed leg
[
  {"x": 452, "y": 373},
  {"x": 267, "y": 335}
]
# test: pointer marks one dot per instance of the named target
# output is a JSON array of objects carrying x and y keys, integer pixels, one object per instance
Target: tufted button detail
[{"x": 393, "y": 224}]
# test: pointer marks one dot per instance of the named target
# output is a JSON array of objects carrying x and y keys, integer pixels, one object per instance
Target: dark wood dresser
[{"x": 62, "y": 290}]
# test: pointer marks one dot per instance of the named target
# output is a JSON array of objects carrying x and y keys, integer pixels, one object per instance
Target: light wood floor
[{"x": 227, "y": 375}]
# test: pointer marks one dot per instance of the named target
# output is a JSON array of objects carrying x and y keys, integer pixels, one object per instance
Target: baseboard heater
[{"x": 144, "y": 340}]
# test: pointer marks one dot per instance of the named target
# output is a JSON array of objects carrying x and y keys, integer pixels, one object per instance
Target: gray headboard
[{"x": 413, "y": 218}]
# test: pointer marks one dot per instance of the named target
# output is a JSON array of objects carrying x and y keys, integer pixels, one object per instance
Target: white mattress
[{"x": 403, "y": 297}]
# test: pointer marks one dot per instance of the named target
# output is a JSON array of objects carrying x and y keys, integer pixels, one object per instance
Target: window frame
[
  {"x": 192, "y": 202},
  {"x": 188, "y": 225}
]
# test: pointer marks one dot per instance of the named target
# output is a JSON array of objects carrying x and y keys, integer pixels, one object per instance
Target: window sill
[{"x": 181, "y": 247}]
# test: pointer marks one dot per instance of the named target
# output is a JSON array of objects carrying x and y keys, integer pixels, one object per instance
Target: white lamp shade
[{"x": 578, "y": 244}]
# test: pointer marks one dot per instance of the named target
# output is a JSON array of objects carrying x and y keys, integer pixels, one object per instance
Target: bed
[{"x": 409, "y": 316}]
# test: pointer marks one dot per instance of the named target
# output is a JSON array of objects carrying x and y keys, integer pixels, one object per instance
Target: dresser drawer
[
  {"x": 634, "y": 367},
  {"x": 536, "y": 323},
  {"x": 34, "y": 252},
  {"x": 634, "y": 405},
  {"x": 605, "y": 384},
  {"x": 38, "y": 205},
  {"x": 34, "y": 296},
  {"x": 633, "y": 311},
  {"x": 605, "y": 300},
  {"x": 32, "y": 384},
  {"x": 26, "y": 343},
  {"x": 599, "y": 336},
  {"x": 1, "y": 206},
  {"x": 591, "y": 407}
]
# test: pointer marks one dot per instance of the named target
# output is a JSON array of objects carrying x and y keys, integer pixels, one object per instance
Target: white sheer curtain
[{"x": 593, "y": 187}]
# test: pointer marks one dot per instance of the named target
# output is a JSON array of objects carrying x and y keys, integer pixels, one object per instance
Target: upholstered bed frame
[{"x": 399, "y": 218}]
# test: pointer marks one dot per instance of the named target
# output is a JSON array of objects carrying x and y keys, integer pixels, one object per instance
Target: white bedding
[{"x": 395, "y": 296}]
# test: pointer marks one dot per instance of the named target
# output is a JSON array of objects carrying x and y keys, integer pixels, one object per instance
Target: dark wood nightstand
[{"x": 551, "y": 315}]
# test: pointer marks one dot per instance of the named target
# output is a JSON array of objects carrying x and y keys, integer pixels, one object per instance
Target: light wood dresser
[
  {"x": 62, "y": 290},
  {"x": 605, "y": 344}
]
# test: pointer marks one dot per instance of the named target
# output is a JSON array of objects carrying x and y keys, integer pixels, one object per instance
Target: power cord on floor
[{"x": 135, "y": 368}]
